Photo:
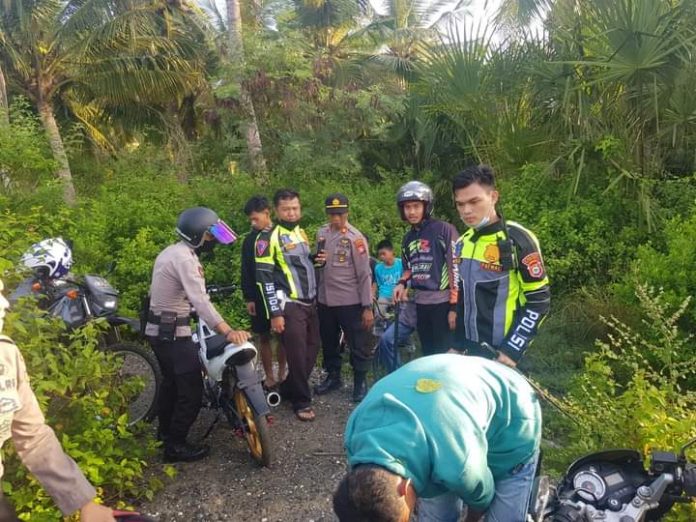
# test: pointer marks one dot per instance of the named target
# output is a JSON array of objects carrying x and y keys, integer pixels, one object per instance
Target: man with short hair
[
  {"x": 442, "y": 431},
  {"x": 345, "y": 297},
  {"x": 428, "y": 257},
  {"x": 258, "y": 210},
  {"x": 504, "y": 291},
  {"x": 285, "y": 270}
]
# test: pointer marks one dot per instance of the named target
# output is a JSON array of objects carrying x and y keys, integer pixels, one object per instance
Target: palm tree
[
  {"x": 4, "y": 104},
  {"x": 236, "y": 56},
  {"x": 90, "y": 54}
]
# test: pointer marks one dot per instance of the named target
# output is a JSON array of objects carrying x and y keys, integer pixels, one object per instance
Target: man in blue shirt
[{"x": 441, "y": 431}]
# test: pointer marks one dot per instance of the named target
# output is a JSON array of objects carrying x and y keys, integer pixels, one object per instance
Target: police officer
[
  {"x": 285, "y": 270},
  {"x": 177, "y": 285},
  {"x": 504, "y": 291},
  {"x": 345, "y": 297},
  {"x": 36, "y": 444}
]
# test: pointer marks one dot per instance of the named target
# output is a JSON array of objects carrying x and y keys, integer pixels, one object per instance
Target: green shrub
[
  {"x": 670, "y": 267},
  {"x": 84, "y": 402},
  {"x": 633, "y": 390}
]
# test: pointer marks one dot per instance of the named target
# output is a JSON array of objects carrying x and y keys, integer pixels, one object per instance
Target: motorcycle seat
[{"x": 215, "y": 346}]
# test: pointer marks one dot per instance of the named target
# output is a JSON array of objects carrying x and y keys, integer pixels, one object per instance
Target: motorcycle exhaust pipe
[{"x": 273, "y": 399}]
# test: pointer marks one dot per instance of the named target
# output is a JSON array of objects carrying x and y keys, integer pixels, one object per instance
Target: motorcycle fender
[{"x": 248, "y": 381}]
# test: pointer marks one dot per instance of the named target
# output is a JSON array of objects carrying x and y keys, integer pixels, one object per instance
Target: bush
[
  {"x": 78, "y": 389},
  {"x": 670, "y": 267},
  {"x": 634, "y": 389}
]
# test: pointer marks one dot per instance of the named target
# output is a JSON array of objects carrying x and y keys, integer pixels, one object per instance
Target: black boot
[
  {"x": 184, "y": 452},
  {"x": 359, "y": 386},
  {"x": 331, "y": 382}
]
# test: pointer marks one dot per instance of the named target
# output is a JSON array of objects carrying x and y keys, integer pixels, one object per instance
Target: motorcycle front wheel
[
  {"x": 138, "y": 361},
  {"x": 255, "y": 428}
]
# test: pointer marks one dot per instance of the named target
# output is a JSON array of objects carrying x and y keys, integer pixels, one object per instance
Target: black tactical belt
[{"x": 156, "y": 319}]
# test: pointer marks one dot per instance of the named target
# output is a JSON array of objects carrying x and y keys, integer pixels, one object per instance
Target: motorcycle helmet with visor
[{"x": 193, "y": 223}]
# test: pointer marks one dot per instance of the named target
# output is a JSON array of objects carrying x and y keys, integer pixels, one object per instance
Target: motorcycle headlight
[{"x": 110, "y": 304}]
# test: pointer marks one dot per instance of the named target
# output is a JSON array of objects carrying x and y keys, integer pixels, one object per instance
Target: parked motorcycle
[
  {"x": 233, "y": 386},
  {"x": 78, "y": 301},
  {"x": 614, "y": 486}
]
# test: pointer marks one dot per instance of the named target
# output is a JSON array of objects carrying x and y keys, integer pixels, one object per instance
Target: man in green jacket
[{"x": 440, "y": 432}]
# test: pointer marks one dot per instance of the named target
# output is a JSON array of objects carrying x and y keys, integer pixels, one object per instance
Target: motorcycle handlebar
[
  {"x": 689, "y": 480},
  {"x": 220, "y": 289}
]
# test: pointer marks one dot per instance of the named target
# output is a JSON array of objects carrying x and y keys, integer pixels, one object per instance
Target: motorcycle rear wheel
[
  {"x": 256, "y": 430},
  {"x": 138, "y": 361}
]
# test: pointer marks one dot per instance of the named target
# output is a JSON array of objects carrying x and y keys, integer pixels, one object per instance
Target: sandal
[{"x": 305, "y": 414}]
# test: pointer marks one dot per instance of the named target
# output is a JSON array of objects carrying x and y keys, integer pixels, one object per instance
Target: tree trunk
[
  {"x": 178, "y": 144},
  {"x": 4, "y": 104},
  {"x": 236, "y": 56},
  {"x": 63, "y": 173}
]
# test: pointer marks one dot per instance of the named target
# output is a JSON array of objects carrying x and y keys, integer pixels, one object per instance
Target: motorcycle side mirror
[
  {"x": 110, "y": 267},
  {"x": 682, "y": 451}
]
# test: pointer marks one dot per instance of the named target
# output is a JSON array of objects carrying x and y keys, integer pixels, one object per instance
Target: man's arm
[
  {"x": 38, "y": 447},
  {"x": 450, "y": 237},
  {"x": 535, "y": 293},
  {"x": 248, "y": 271},
  {"x": 363, "y": 272}
]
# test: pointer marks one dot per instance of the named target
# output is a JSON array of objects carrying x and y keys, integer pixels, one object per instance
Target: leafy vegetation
[{"x": 150, "y": 107}]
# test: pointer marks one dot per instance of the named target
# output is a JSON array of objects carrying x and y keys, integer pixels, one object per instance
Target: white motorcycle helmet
[{"x": 50, "y": 258}]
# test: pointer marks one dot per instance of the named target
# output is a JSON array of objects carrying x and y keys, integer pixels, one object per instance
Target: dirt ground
[{"x": 307, "y": 465}]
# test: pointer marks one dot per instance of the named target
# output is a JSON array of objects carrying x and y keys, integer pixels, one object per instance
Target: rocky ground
[{"x": 307, "y": 465}]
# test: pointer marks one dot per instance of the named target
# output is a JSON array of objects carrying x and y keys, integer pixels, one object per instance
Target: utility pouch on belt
[{"x": 167, "y": 326}]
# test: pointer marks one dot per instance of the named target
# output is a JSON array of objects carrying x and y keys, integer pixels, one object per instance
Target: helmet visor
[{"x": 223, "y": 233}]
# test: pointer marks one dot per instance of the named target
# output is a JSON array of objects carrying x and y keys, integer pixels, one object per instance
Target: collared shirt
[
  {"x": 504, "y": 290},
  {"x": 283, "y": 263},
  {"x": 345, "y": 278},
  {"x": 177, "y": 284},
  {"x": 449, "y": 423},
  {"x": 36, "y": 443}
]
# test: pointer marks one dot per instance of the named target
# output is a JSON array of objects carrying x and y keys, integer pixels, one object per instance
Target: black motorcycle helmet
[
  {"x": 193, "y": 223},
  {"x": 415, "y": 191}
]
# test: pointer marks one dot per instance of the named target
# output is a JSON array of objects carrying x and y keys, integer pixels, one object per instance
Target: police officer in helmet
[{"x": 177, "y": 285}]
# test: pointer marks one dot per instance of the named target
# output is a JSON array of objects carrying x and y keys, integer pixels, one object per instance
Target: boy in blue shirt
[
  {"x": 387, "y": 272},
  {"x": 442, "y": 430}
]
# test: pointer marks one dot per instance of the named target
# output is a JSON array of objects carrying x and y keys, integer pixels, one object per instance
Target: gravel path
[{"x": 308, "y": 464}]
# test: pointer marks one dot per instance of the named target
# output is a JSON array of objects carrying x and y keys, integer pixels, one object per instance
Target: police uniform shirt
[
  {"x": 345, "y": 278},
  {"x": 36, "y": 444},
  {"x": 178, "y": 283}
]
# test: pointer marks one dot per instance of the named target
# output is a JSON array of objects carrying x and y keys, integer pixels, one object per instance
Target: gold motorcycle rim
[{"x": 250, "y": 430}]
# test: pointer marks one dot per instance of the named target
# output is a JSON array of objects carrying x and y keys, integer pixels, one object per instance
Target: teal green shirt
[{"x": 449, "y": 423}]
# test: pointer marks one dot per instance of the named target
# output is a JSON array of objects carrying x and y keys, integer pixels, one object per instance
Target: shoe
[
  {"x": 331, "y": 382},
  {"x": 185, "y": 452},
  {"x": 359, "y": 386}
]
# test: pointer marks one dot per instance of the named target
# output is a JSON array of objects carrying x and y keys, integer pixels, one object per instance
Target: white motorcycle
[{"x": 233, "y": 386}]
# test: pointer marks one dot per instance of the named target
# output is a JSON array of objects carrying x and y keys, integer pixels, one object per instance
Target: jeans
[
  {"x": 387, "y": 358},
  {"x": 510, "y": 503}
]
